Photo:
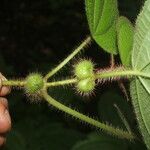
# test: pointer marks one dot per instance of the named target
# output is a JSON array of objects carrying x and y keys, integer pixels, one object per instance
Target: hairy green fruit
[
  {"x": 84, "y": 69},
  {"x": 34, "y": 83},
  {"x": 86, "y": 86}
]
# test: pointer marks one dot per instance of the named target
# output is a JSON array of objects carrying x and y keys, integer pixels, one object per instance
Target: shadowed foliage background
[{"x": 34, "y": 37}]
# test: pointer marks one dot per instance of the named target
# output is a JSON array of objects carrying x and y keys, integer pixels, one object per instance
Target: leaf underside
[{"x": 140, "y": 87}]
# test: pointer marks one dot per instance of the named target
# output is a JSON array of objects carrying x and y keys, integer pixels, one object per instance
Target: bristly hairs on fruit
[
  {"x": 83, "y": 70},
  {"x": 33, "y": 87},
  {"x": 77, "y": 61},
  {"x": 86, "y": 87}
]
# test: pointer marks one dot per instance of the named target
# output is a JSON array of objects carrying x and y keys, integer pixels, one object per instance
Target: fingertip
[
  {"x": 4, "y": 101},
  {"x": 5, "y": 120},
  {"x": 2, "y": 140},
  {"x": 5, "y": 90}
]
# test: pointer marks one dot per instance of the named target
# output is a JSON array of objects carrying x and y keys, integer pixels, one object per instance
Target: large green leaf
[
  {"x": 136, "y": 145},
  {"x": 140, "y": 87},
  {"x": 125, "y": 33},
  {"x": 50, "y": 135},
  {"x": 55, "y": 138},
  {"x": 102, "y": 16},
  {"x": 109, "y": 112},
  {"x": 97, "y": 145},
  {"x": 100, "y": 142}
]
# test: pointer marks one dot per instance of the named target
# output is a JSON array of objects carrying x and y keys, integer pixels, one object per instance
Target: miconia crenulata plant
[{"x": 116, "y": 35}]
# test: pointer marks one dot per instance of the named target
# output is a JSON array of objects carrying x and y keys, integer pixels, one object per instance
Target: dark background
[{"x": 36, "y": 35}]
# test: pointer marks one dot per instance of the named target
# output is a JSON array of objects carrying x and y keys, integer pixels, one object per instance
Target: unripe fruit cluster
[{"x": 84, "y": 71}]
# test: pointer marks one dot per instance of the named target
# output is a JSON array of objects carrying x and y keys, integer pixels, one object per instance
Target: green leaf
[
  {"x": 102, "y": 16},
  {"x": 47, "y": 135},
  {"x": 136, "y": 145},
  {"x": 108, "y": 40},
  {"x": 55, "y": 138},
  {"x": 141, "y": 101},
  {"x": 125, "y": 33},
  {"x": 97, "y": 145},
  {"x": 140, "y": 87},
  {"x": 100, "y": 142},
  {"x": 109, "y": 113},
  {"x": 15, "y": 141},
  {"x": 93, "y": 11}
]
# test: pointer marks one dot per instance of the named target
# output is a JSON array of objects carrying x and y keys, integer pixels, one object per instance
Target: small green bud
[
  {"x": 86, "y": 86},
  {"x": 34, "y": 83},
  {"x": 84, "y": 69}
]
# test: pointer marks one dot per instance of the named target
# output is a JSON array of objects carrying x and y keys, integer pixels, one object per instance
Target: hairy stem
[
  {"x": 13, "y": 83},
  {"x": 100, "y": 75},
  {"x": 63, "y": 63},
  {"x": 120, "y": 73},
  {"x": 109, "y": 129},
  {"x": 59, "y": 83}
]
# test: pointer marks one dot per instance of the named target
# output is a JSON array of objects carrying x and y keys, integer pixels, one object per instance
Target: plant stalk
[
  {"x": 108, "y": 128},
  {"x": 63, "y": 63},
  {"x": 109, "y": 74},
  {"x": 13, "y": 83}
]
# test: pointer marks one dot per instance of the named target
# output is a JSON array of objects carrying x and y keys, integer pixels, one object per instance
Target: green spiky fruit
[
  {"x": 34, "y": 83},
  {"x": 86, "y": 86},
  {"x": 84, "y": 69}
]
